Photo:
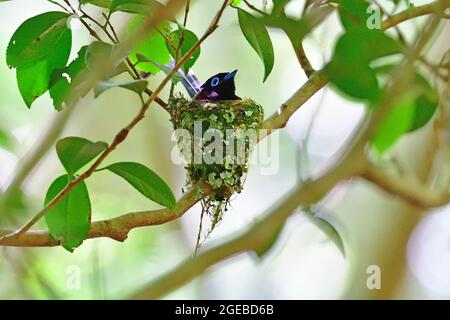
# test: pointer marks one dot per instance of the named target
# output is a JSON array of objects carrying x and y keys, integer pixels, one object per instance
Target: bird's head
[{"x": 219, "y": 87}]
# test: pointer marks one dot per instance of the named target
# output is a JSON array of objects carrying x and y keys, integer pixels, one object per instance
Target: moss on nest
[{"x": 236, "y": 123}]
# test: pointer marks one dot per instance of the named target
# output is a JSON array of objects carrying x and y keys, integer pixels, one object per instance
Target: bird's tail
[{"x": 189, "y": 80}]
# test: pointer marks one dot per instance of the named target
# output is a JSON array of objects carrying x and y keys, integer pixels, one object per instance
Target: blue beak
[{"x": 230, "y": 75}]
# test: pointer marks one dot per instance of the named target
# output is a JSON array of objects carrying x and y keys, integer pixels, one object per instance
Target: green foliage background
[{"x": 114, "y": 270}]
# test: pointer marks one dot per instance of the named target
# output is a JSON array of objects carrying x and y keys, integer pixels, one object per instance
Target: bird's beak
[{"x": 230, "y": 75}]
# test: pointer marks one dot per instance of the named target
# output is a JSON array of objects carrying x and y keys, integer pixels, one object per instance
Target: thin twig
[
  {"x": 180, "y": 44},
  {"x": 59, "y": 5},
  {"x": 414, "y": 12},
  {"x": 114, "y": 38},
  {"x": 122, "y": 134},
  {"x": 251, "y": 6},
  {"x": 302, "y": 58}
]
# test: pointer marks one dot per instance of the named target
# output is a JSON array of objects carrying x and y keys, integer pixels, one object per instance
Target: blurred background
[{"x": 305, "y": 263}]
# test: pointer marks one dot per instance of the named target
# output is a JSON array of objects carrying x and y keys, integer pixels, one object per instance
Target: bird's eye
[{"x": 215, "y": 82}]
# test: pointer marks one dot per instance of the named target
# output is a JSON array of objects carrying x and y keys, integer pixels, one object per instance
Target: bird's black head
[{"x": 219, "y": 87}]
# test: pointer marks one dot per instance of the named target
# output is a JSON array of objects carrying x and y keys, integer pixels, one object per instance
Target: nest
[{"x": 216, "y": 139}]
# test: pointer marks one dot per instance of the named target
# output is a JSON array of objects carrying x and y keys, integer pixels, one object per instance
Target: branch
[
  {"x": 115, "y": 228},
  {"x": 303, "y": 60},
  {"x": 31, "y": 160},
  {"x": 131, "y": 69},
  {"x": 254, "y": 8},
  {"x": 318, "y": 79},
  {"x": 414, "y": 12},
  {"x": 122, "y": 135},
  {"x": 353, "y": 162},
  {"x": 88, "y": 81},
  {"x": 259, "y": 237},
  {"x": 410, "y": 191},
  {"x": 278, "y": 120}
]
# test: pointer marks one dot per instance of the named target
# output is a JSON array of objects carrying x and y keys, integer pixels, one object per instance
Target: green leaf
[
  {"x": 297, "y": 29},
  {"x": 361, "y": 45},
  {"x": 60, "y": 85},
  {"x": 75, "y": 152},
  {"x": 425, "y": 107},
  {"x": 353, "y": 13},
  {"x": 98, "y": 3},
  {"x": 137, "y": 86},
  {"x": 33, "y": 80},
  {"x": 69, "y": 220},
  {"x": 98, "y": 51},
  {"x": 258, "y": 37},
  {"x": 143, "y": 7},
  {"x": 38, "y": 47},
  {"x": 153, "y": 46},
  {"x": 146, "y": 182},
  {"x": 189, "y": 40},
  {"x": 236, "y": 2},
  {"x": 7, "y": 141},
  {"x": 397, "y": 123},
  {"x": 426, "y": 97},
  {"x": 355, "y": 80},
  {"x": 38, "y": 38},
  {"x": 350, "y": 68}
]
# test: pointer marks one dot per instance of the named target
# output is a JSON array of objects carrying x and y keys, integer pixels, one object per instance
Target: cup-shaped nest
[{"x": 216, "y": 138}]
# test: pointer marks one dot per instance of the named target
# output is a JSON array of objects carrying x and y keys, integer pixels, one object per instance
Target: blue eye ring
[{"x": 215, "y": 82}]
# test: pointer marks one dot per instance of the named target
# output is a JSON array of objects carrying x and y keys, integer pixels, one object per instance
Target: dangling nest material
[{"x": 216, "y": 141}]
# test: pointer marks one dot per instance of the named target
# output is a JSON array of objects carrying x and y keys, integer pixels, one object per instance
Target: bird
[{"x": 219, "y": 87}]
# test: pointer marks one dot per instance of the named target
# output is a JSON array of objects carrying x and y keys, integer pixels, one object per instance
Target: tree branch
[
  {"x": 410, "y": 191},
  {"x": 254, "y": 8},
  {"x": 303, "y": 60},
  {"x": 29, "y": 162},
  {"x": 318, "y": 79},
  {"x": 279, "y": 119},
  {"x": 352, "y": 163},
  {"x": 122, "y": 134},
  {"x": 89, "y": 79},
  {"x": 414, "y": 12},
  {"x": 259, "y": 237},
  {"x": 115, "y": 228},
  {"x": 276, "y": 121}
]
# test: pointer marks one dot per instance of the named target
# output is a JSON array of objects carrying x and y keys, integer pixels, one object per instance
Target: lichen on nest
[{"x": 216, "y": 139}]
